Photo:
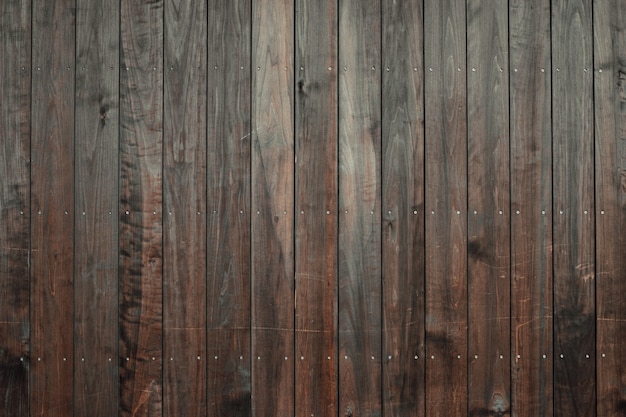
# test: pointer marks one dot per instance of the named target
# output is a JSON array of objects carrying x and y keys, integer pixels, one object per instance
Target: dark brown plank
[
  {"x": 403, "y": 241},
  {"x": 15, "y": 42},
  {"x": 184, "y": 197},
  {"x": 531, "y": 205},
  {"x": 52, "y": 208},
  {"x": 228, "y": 206},
  {"x": 359, "y": 239},
  {"x": 445, "y": 195},
  {"x": 609, "y": 26},
  {"x": 316, "y": 205},
  {"x": 141, "y": 234},
  {"x": 488, "y": 241},
  {"x": 272, "y": 208},
  {"x": 573, "y": 202}
]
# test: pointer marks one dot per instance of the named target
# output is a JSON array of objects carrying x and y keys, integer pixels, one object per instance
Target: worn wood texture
[
  {"x": 184, "y": 206},
  {"x": 15, "y": 43},
  {"x": 316, "y": 206},
  {"x": 445, "y": 195},
  {"x": 141, "y": 217},
  {"x": 531, "y": 207},
  {"x": 272, "y": 135},
  {"x": 228, "y": 206},
  {"x": 609, "y": 26},
  {"x": 402, "y": 167},
  {"x": 52, "y": 209},
  {"x": 96, "y": 388},
  {"x": 573, "y": 204},
  {"x": 488, "y": 227}
]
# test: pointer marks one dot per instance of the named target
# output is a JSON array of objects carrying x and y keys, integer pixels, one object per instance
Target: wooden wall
[{"x": 313, "y": 208}]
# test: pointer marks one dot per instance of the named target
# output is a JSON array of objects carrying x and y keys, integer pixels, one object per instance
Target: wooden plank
[
  {"x": 141, "y": 217},
  {"x": 184, "y": 226},
  {"x": 531, "y": 204},
  {"x": 573, "y": 202},
  {"x": 403, "y": 241},
  {"x": 316, "y": 205},
  {"x": 228, "y": 206},
  {"x": 488, "y": 241},
  {"x": 445, "y": 195},
  {"x": 359, "y": 239},
  {"x": 52, "y": 208},
  {"x": 272, "y": 208},
  {"x": 609, "y": 26},
  {"x": 15, "y": 43}
]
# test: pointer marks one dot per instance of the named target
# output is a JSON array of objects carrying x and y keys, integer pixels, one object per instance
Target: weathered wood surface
[
  {"x": 15, "y": 44},
  {"x": 52, "y": 209},
  {"x": 273, "y": 224},
  {"x": 403, "y": 231},
  {"x": 531, "y": 208},
  {"x": 488, "y": 225},
  {"x": 96, "y": 209},
  {"x": 445, "y": 195},
  {"x": 141, "y": 216},
  {"x": 573, "y": 205},
  {"x": 228, "y": 207},
  {"x": 185, "y": 209},
  {"x": 316, "y": 184},
  {"x": 609, "y": 26}
]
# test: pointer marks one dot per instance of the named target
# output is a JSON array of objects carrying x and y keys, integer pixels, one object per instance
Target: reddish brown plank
[
  {"x": 573, "y": 203},
  {"x": 272, "y": 208},
  {"x": 15, "y": 43},
  {"x": 228, "y": 206},
  {"x": 141, "y": 234},
  {"x": 609, "y": 53},
  {"x": 488, "y": 241},
  {"x": 52, "y": 208},
  {"x": 445, "y": 195},
  {"x": 184, "y": 198},
  {"x": 531, "y": 205},
  {"x": 316, "y": 208},
  {"x": 403, "y": 240}
]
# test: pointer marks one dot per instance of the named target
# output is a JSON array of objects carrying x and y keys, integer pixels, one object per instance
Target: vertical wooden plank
[
  {"x": 52, "y": 208},
  {"x": 96, "y": 220},
  {"x": 488, "y": 241},
  {"x": 360, "y": 204},
  {"x": 445, "y": 195},
  {"x": 573, "y": 202},
  {"x": 273, "y": 202},
  {"x": 403, "y": 241},
  {"x": 316, "y": 206},
  {"x": 184, "y": 197},
  {"x": 228, "y": 206},
  {"x": 15, "y": 43},
  {"x": 610, "y": 183},
  {"x": 141, "y": 231},
  {"x": 531, "y": 205}
]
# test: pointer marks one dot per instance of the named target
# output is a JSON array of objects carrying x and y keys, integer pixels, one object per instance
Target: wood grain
[
  {"x": 15, "y": 43},
  {"x": 531, "y": 204},
  {"x": 360, "y": 218},
  {"x": 488, "y": 241},
  {"x": 141, "y": 217},
  {"x": 610, "y": 179},
  {"x": 316, "y": 206},
  {"x": 228, "y": 205},
  {"x": 52, "y": 208},
  {"x": 96, "y": 221},
  {"x": 573, "y": 202},
  {"x": 402, "y": 167},
  {"x": 445, "y": 194},
  {"x": 184, "y": 226},
  {"x": 273, "y": 208}
]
